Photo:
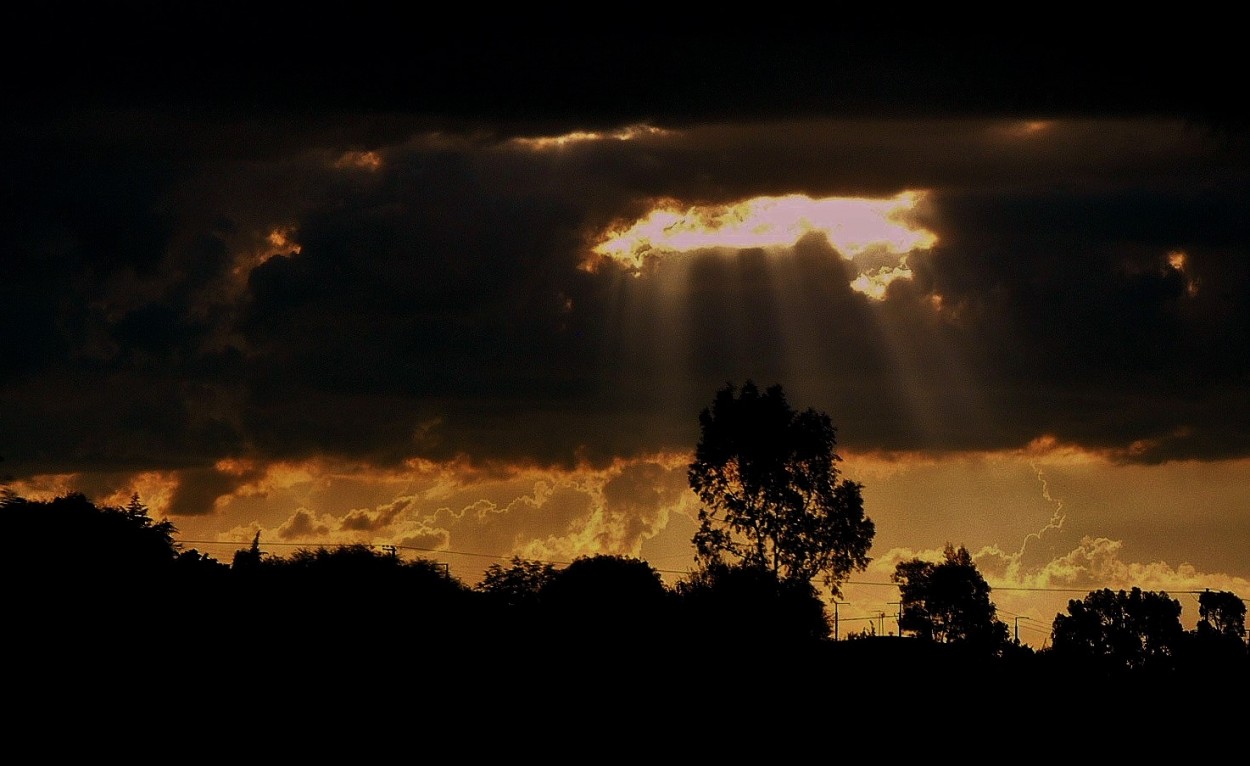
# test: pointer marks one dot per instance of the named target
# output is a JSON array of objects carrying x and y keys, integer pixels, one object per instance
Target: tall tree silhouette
[{"x": 772, "y": 493}]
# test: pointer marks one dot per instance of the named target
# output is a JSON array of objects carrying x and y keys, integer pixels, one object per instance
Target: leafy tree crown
[{"x": 772, "y": 493}]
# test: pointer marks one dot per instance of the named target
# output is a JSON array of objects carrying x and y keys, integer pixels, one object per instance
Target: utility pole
[
  {"x": 898, "y": 614},
  {"x": 1018, "y": 627},
  {"x": 835, "y": 618}
]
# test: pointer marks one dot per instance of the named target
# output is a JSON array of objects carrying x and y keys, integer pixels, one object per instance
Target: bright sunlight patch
[{"x": 875, "y": 234}]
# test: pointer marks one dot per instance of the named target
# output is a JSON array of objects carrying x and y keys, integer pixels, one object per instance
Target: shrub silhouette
[
  {"x": 605, "y": 595},
  {"x": 727, "y": 606}
]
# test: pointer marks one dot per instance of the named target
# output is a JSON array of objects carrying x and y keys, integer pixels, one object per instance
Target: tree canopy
[
  {"x": 1222, "y": 614},
  {"x": 949, "y": 602},
  {"x": 99, "y": 541},
  {"x": 738, "y": 606},
  {"x": 1120, "y": 630},
  {"x": 772, "y": 493},
  {"x": 518, "y": 584}
]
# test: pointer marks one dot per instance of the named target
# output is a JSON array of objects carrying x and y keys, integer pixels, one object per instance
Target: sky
[{"x": 463, "y": 288}]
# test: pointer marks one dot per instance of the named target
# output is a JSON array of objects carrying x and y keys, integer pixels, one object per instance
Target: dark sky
[
  {"x": 434, "y": 305},
  {"x": 619, "y": 65}
]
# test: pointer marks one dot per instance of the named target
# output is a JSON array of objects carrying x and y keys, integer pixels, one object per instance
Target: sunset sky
[{"x": 464, "y": 290}]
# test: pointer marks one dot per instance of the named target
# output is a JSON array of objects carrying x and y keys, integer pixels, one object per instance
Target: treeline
[
  {"x": 109, "y": 622},
  {"x": 82, "y": 576},
  {"x": 119, "y": 640},
  {"x": 75, "y": 569}
]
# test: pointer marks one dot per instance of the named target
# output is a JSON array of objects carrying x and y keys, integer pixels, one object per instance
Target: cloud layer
[{"x": 428, "y": 297}]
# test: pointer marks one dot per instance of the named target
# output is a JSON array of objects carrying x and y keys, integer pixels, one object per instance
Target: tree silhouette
[
  {"x": 102, "y": 596},
  {"x": 248, "y": 560},
  {"x": 769, "y": 481},
  {"x": 1216, "y": 649},
  {"x": 517, "y": 585},
  {"x": 1119, "y": 631},
  {"x": 98, "y": 543},
  {"x": 734, "y": 606},
  {"x": 347, "y": 599},
  {"x": 1221, "y": 614},
  {"x": 949, "y": 602},
  {"x": 91, "y": 581},
  {"x": 606, "y": 598}
]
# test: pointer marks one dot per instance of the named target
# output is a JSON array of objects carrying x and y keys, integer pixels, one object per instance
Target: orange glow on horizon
[
  {"x": 1037, "y": 553},
  {"x": 1026, "y": 128}
]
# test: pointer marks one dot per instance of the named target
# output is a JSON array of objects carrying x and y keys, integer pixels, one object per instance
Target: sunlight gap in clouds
[
  {"x": 1178, "y": 260},
  {"x": 881, "y": 232},
  {"x": 359, "y": 160},
  {"x": 1027, "y": 128},
  {"x": 579, "y": 137},
  {"x": 278, "y": 242}
]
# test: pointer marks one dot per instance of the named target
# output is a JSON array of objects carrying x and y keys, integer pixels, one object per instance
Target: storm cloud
[{"x": 431, "y": 297}]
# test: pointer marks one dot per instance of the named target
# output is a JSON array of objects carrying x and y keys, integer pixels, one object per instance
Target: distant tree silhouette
[
  {"x": 772, "y": 494},
  {"x": 248, "y": 560},
  {"x": 949, "y": 602},
  {"x": 1120, "y": 631},
  {"x": 1222, "y": 613},
  {"x": 192, "y": 563},
  {"x": 347, "y": 599},
  {"x": 517, "y": 585},
  {"x": 1216, "y": 649},
  {"x": 738, "y": 606},
  {"x": 354, "y": 572}
]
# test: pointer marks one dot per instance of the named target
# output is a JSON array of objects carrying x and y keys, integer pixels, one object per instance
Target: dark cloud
[
  {"x": 364, "y": 520},
  {"x": 302, "y": 524},
  {"x": 437, "y": 305},
  {"x": 199, "y": 488},
  {"x": 649, "y": 64},
  {"x": 1070, "y": 305}
]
